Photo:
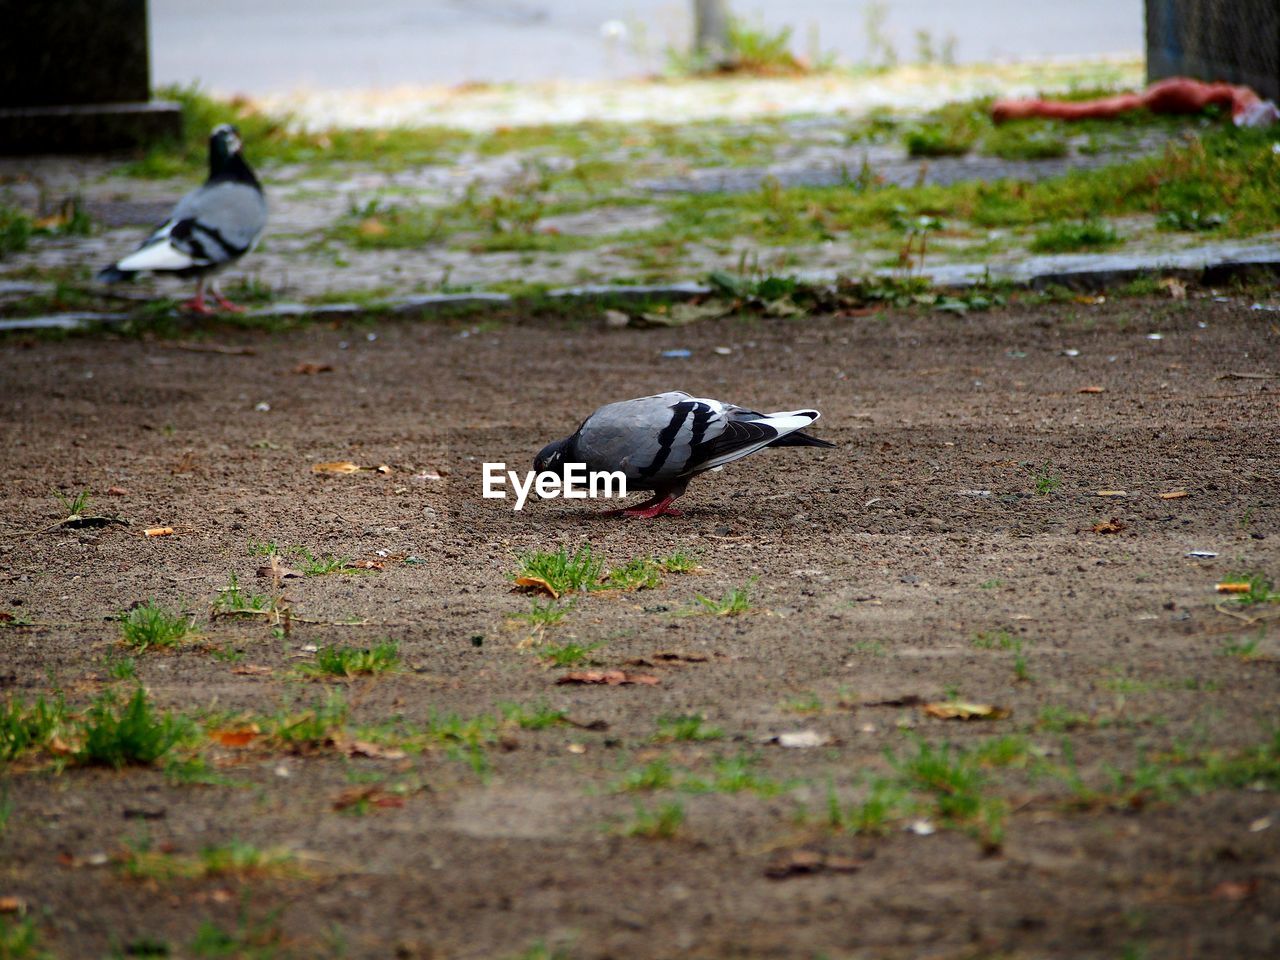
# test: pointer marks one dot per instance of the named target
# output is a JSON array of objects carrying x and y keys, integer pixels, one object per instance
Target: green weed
[
  {"x": 19, "y": 937},
  {"x": 120, "y": 668},
  {"x": 685, "y": 727},
  {"x": 1066, "y": 237},
  {"x": 151, "y": 625},
  {"x": 637, "y": 574},
  {"x": 309, "y": 729},
  {"x": 562, "y": 571},
  {"x": 73, "y": 507},
  {"x": 655, "y": 775},
  {"x": 349, "y": 662},
  {"x": 885, "y": 802},
  {"x": 543, "y": 614},
  {"x": 569, "y": 654},
  {"x": 732, "y": 603},
  {"x": 117, "y": 735},
  {"x": 538, "y": 717},
  {"x": 24, "y": 728},
  {"x": 661, "y": 823},
  {"x": 231, "y": 601},
  {"x": 678, "y": 561}
]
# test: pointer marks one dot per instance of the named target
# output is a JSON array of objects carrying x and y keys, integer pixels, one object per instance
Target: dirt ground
[{"x": 877, "y": 571}]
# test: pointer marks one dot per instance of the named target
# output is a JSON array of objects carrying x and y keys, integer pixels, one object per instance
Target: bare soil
[{"x": 877, "y": 571}]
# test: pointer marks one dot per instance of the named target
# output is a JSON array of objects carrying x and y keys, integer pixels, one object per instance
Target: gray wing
[
  {"x": 211, "y": 225},
  {"x": 652, "y": 439},
  {"x": 219, "y": 222},
  {"x": 659, "y": 439}
]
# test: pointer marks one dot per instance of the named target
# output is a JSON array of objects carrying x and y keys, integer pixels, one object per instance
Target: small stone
[{"x": 616, "y": 319}]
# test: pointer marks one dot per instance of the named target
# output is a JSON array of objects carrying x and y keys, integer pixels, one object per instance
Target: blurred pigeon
[
  {"x": 210, "y": 228},
  {"x": 662, "y": 442}
]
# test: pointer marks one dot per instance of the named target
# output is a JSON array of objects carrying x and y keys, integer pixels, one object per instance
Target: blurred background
[{"x": 263, "y": 49}]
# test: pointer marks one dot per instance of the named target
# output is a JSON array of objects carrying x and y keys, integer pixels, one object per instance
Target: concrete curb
[{"x": 1207, "y": 266}]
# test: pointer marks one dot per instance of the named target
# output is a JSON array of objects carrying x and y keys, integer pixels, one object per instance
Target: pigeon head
[
  {"x": 551, "y": 457},
  {"x": 226, "y": 162},
  {"x": 224, "y": 142}
]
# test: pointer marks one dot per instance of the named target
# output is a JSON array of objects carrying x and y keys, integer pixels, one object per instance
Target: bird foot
[
  {"x": 196, "y": 305},
  {"x": 647, "y": 511},
  {"x": 227, "y": 305}
]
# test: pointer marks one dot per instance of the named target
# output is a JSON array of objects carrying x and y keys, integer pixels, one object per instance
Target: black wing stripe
[{"x": 667, "y": 438}]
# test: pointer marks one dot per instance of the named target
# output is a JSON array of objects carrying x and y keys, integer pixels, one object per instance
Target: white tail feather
[{"x": 157, "y": 256}]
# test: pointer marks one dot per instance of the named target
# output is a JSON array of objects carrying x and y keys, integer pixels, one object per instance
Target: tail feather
[
  {"x": 114, "y": 274},
  {"x": 799, "y": 439}
]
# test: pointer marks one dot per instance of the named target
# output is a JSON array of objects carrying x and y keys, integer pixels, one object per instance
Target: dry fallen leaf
[
  {"x": 1235, "y": 889},
  {"x": 252, "y": 670},
  {"x": 13, "y": 905},
  {"x": 117, "y": 492},
  {"x": 1233, "y": 587},
  {"x": 1177, "y": 289},
  {"x": 1108, "y": 526},
  {"x": 793, "y": 863},
  {"x": 1173, "y": 495},
  {"x": 1090, "y": 299},
  {"x": 966, "y": 711},
  {"x": 372, "y": 227},
  {"x": 337, "y": 466},
  {"x": 365, "y": 565},
  {"x": 537, "y": 583},
  {"x": 235, "y": 736},
  {"x": 310, "y": 369},
  {"x": 374, "y": 751},
  {"x": 612, "y": 678},
  {"x": 1092, "y": 390},
  {"x": 270, "y": 570},
  {"x": 158, "y": 532},
  {"x": 367, "y": 796}
]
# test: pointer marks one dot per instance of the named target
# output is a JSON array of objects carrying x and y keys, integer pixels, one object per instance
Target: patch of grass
[
  {"x": 872, "y": 648},
  {"x": 75, "y": 506},
  {"x": 267, "y": 549},
  {"x": 655, "y": 775},
  {"x": 349, "y": 662},
  {"x": 231, "y": 601},
  {"x": 309, "y": 729},
  {"x": 1240, "y": 649},
  {"x": 732, "y": 603},
  {"x": 685, "y": 727},
  {"x": 883, "y": 804},
  {"x": 809, "y": 703},
  {"x": 990, "y": 584},
  {"x": 569, "y": 654},
  {"x": 736, "y": 775},
  {"x": 637, "y": 574},
  {"x": 678, "y": 561},
  {"x": 117, "y": 735},
  {"x": 661, "y": 823},
  {"x": 251, "y": 940},
  {"x": 151, "y": 625},
  {"x": 1090, "y": 234},
  {"x": 1055, "y": 719},
  {"x": 951, "y": 139},
  {"x": 957, "y": 787},
  {"x": 538, "y": 717},
  {"x": 24, "y": 728},
  {"x": 1190, "y": 220},
  {"x": 1046, "y": 481},
  {"x": 19, "y": 936},
  {"x": 120, "y": 668},
  {"x": 236, "y": 860},
  {"x": 16, "y": 229},
  {"x": 562, "y": 571},
  {"x": 1023, "y": 141},
  {"x": 318, "y": 566},
  {"x": 543, "y": 614}
]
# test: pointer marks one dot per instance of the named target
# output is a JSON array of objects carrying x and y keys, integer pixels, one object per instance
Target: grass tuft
[
  {"x": 349, "y": 662},
  {"x": 563, "y": 572},
  {"x": 151, "y": 625},
  {"x": 117, "y": 735}
]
